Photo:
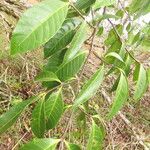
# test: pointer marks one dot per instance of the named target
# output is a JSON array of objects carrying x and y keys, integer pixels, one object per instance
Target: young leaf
[
  {"x": 142, "y": 82},
  {"x": 90, "y": 88},
  {"x": 37, "y": 25},
  {"x": 120, "y": 97},
  {"x": 62, "y": 38},
  {"x": 71, "y": 146},
  {"x": 41, "y": 144},
  {"x": 71, "y": 68},
  {"x": 54, "y": 107},
  {"x": 76, "y": 43},
  {"x": 38, "y": 124},
  {"x": 96, "y": 138},
  {"x": 9, "y": 118},
  {"x": 47, "y": 76}
]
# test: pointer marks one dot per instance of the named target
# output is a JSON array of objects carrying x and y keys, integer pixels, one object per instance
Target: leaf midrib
[{"x": 44, "y": 20}]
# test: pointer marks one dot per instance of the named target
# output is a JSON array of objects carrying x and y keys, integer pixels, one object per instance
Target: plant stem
[
  {"x": 119, "y": 38},
  {"x": 81, "y": 15}
]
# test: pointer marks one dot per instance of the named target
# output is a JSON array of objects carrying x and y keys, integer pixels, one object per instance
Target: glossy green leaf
[
  {"x": 41, "y": 144},
  {"x": 38, "y": 124},
  {"x": 54, "y": 108},
  {"x": 47, "y": 76},
  {"x": 9, "y": 118},
  {"x": 103, "y": 3},
  {"x": 62, "y": 38},
  {"x": 71, "y": 68},
  {"x": 71, "y": 146},
  {"x": 90, "y": 88},
  {"x": 37, "y": 25},
  {"x": 121, "y": 96},
  {"x": 76, "y": 42},
  {"x": 142, "y": 82},
  {"x": 55, "y": 61},
  {"x": 96, "y": 138}
]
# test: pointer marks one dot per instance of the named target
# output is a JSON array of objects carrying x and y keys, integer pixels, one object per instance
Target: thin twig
[
  {"x": 90, "y": 51},
  {"x": 81, "y": 15},
  {"x": 120, "y": 39}
]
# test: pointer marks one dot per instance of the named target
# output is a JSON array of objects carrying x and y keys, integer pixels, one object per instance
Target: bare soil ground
[{"x": 17, "y": 84}]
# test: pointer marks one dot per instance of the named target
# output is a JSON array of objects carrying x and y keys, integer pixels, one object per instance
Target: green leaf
[
  {"x": 112, "y": 36},
  {"x": 100, "y": 31},
  {"x": 41, "y": 144},
  {"x": 76, "y": 42},
  {"x": 90, "y": 88},
  {"x": 62, "y": 38},
  {"x": 71, "y": 68},
  {"x": 128, "y": 28},
  {"x": 121, "y": 96},
  {"x": 128, "y": 63},
  {"x": 9, "y": 118},
  {"x": 47, "y": 76},
  {"x": 120, "y": 13},
  {"x": 83, "y": 4},
  {"x": 96, "y": 138},
  {"x": 103, "y": 3},
  {"x": 71, "y": 146},
  {"x": 115, "y": 85},
  {"x": 37, "y": 25},
  {"x": 38, "y": 124},
  {"x": 139, "y": 8},
  {"x": 115, "y": 55},
  {"x": 54, "y": 108},
  {"x": 136, "y": 38},
  {"x": 142, "y": 82},
  {"x": 55, "y": 61}
]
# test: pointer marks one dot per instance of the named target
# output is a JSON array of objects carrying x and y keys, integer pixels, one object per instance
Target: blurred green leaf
[
  {"x": 142, "y": 81},
  {"x": 121, "y": 96},
  {"x": 96, "y": 138},
  {"x": 41, "y": 144},
  {"x": 9, "y": 118}
]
